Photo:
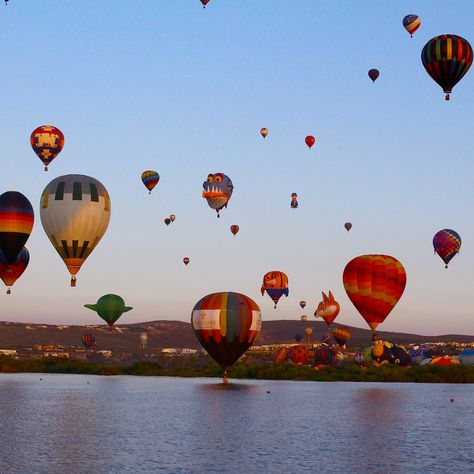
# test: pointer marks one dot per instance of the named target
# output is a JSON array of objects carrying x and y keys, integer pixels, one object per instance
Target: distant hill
[{"x": 125, "y": 338}]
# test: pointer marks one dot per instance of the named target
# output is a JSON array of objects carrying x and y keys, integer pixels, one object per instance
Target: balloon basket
[
  {"x": 447, "y": 97},
  {"x": 225, "y": 379},
  {"x": 9, "y": 291},
  {"x": 73, "y": 281},
  {"x": 46, "y": 168}
]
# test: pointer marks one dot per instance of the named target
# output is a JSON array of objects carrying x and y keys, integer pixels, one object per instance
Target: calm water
[{"x": 75, "y": 424}]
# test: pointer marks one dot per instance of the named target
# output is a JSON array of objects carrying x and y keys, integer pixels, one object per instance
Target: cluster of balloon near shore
[{"x": 75, "y": 213}]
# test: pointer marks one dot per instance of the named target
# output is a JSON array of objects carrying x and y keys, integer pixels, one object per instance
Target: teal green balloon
[{"x": 109, "y": 308}]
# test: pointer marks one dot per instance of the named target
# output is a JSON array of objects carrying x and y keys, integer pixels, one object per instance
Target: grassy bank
[{"x": 425, "y": 374}]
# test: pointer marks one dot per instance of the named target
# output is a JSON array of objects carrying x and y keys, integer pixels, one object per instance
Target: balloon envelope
[
  {"x": 218, "y": 189},
  {"x": 226, "y": 325},
  {"x": 447, "y": 243},
  {"x": 88, "y": 340},
  {"x": 299, "y": 354},
  {"x": 341, "y": 335},
  {"x": 302, "y": 304},
  {"x": 16, "y": 223},
  {"x": 374, "y": 74},
  {"x": 47, "y": 142},
  {"x": 109, "y": 307},
  {"x": 264, "y": 132},
  {"x": 374, "y": 284},
  {"x": 310, "y": 141},
  {"x": 411, "y": 23},
  {"x": 10, "y": 272},
  {"x": 234, "y": 229},
  {"x": 150, "y": 179},
  {"x": 348, "y": 226},
  {"x": 275, "y": 283},
  {"x": 186, "y": 260}
]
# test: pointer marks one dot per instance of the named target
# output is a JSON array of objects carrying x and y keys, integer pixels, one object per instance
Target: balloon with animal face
[
  {"x": 275, "y": 283},
  {"x": 447, "y": 243},
  {"x": 109, "y": 307},
  {"x": 218, "y": 189},
  {"x": 328, "y": 309}
]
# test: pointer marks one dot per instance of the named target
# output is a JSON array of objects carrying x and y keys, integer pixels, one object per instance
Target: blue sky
[{"x": 172, "y": 87}]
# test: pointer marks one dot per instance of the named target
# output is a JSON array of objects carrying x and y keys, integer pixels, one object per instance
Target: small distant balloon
[
  {"x": 348, "y": 226},
  {"x": 302, "y": 304},
  {"x": 204, "y": 3},
  {"x": 88, "y": 340},
  {"x": 374, "y": 74},
  {"x": 172, "y": 217},
  {"x": 310, "y": 141},
  {"x": 447, "y": 243},
  {"x": 294, "y": 201},
  {"x": 264, "y": 132},
  {"x": 234, "y": 229},
  {"x": 186, "y": 260},
  {"x": 411, "y": 23},
  {"x": 167, "y": 221},
  {"x": 298, "y": 337},
  {"x": 47, "y": 142},
  {"x": 150, "y": 179},
  {"x": 304, "y": 318},
  {"x": 10, "y": 272}
]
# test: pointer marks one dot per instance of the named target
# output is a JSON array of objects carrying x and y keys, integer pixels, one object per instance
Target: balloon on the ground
[
  {"x": 75, "y": 213},
  {"x": 150, "y": 179},
  {"x": 373, "y": 74},
  {"x": 299, "y": 354},
  {"x": 281, "y": 355},
  {"x": 16, "y": 223},
  {"x": 226, "y": 325},
  {"x": 374, "y": 284},
  {"x": 264, "y": 132},
  {"x": 359, "y": 359},
  {"x": 467, "y": 357},
  {"x": 275, "y": 283},
  {"x": 328, "y": 309},
  {"x": 294, "y": 201},
  {"x": 109, "y": 307},
  {"x": 348, "y": 226},
  {"x": 310, "y": 141},
  {"x": 234, "y": 229},
  {"x": 47, "y": 142},
  {"x": 341, "y": 335},
  {"x": 447, "y": 58},
  {"x": 218, "y": 190},
  {"x": 10, "y": 272},
  {"x": 323, "y": 355},
  {"x": 447, "y": 243},
  {"x": 411, "y": 23},
  {"x": 88, "y": 340}
]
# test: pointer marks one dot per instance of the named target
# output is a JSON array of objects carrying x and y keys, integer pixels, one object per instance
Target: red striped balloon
[{"x": 374, "y": 284}]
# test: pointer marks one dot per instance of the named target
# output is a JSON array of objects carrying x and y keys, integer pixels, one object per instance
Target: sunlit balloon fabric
[
  {"x": 446, "y": 59},
  {"x": 150, "y": 179},
  {"x": 10, "y": 272},
  {"x": 275, "y": 283},
  {"x": 328, "y": 308},
  {"x": 264, "y": 132},
  {"x": 218, "y": 190},
  {"x": 374, "y": 284},
  {"x": 226, "y": 324},
  {"x": 411, "y": 23},
  {"x": 47, "y": 142},
  {"x": 109, "y": 307},
  {"x": 75, "y": 213},
  {"x": 447, "y": 244},
  {"x": 16, "y": 223}
]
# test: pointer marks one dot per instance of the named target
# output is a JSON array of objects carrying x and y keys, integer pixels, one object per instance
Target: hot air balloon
[
  {"x": 309, "y": 333},
  {"x": 280, "y": 355},
  {"x": 218, "y": 190},
  {"x": 304, "y": 318},
  {"x": 467, "y": 357},
  {"x": 109, "y": 308},
  {"x": 348, "y": 226},
  {"x": 172, "y": 217},
  {"x": 374, "y": 284},
  {"x": 75, "y": 213},
  {"x": 323, "y": 355},
  {"x": 234, "y": 229},
  {"x": 411, "y": 23},
  {"x": 47, "y": 142},
  {"x": 298, "y": 337},
  {"x": 275, "y": 283},
  {"x": 341, "y": 335},
  {"x": 446, "y": 59},
  {"x": 294, "y": 202},
  {"x": 186, "y": 260},
  {"x": 150, "y": 179},
  {"x": 299, "y": 354},
  {"x": 264, "y": 132},
  {"x": 328, "y": 309},
  {"x": 226, "y": 325},
  {"x": 310, "y": 141},
  {"x": 374, "y": 74},
  {"x": 302, "y": 304},
  {"x": 204, "y": 3},
  {"x": 16, "y": 223},
  {"x": 167, "y": 221},
  {"x": 88, "y": 340},
  {"x": 10, "y": 272},
  {"x": 447, "y": 244}
]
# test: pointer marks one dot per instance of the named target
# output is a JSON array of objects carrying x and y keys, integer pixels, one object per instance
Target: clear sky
[{"x": 166, "y": 85}]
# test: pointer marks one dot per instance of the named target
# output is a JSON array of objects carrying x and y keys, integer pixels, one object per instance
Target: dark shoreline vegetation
[{"x": 257, "y": 371}]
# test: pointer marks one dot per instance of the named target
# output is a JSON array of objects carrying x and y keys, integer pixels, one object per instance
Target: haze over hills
[{"x": 178, "y": 334}]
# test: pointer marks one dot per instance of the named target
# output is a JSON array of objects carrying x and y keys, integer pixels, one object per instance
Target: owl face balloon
[{"x": 218, "y": 190}]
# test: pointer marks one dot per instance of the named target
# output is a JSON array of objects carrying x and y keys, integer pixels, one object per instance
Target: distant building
[{"x": 9, "y": 352}]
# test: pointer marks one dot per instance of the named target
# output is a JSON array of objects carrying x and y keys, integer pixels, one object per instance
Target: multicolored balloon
[
  {"x": 447, "y": 244},
  {"x": 275, "y": 283},
  {"x": 328, "y": 309},
  {"x": 88, "y": 340},
  {"x": 374, "y": 74},
  {"x": 299, "y": 354},
  {"x": 374, "y": 284},
  {"x": 446, "y": 59},
  {"x": 226, "y": 325},
  {"x": 264, "y": 132},
  {"x": 348, "y": 226},
  {"x": 294, "y": 201},
  {"x": 75, "y": 213},
  {"x": 16, "y": 223},
  {"x": 150, "y": 179},
  {"x": 186, "y": 260},
  {"x": 310, "y": 141},
  {"x": 280, "y": 356},
  {"x": 10, "y": 272},
  {"x": 218, "y": 189},
  {"x": 341, "y": 335},
  {"x": 109, "y": 307},
  {"x": 411, "y": 23},
  {"x": 47, "y": 142},
  {"x": 234, "y": 229}
]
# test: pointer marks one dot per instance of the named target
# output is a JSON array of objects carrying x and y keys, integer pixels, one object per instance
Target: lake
[{"x": 91, "y": 424}]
